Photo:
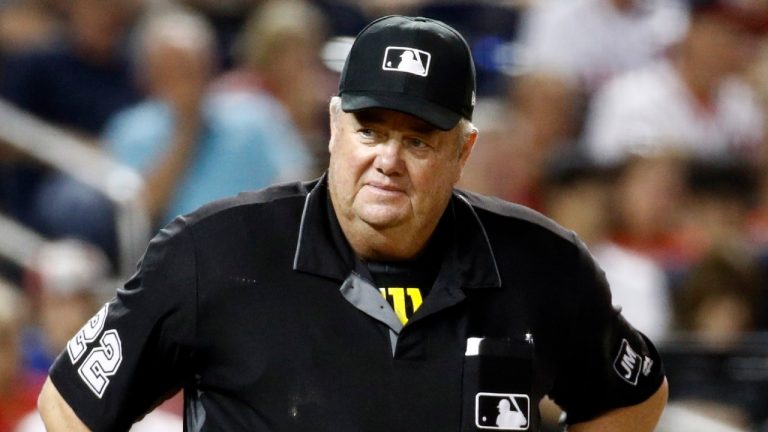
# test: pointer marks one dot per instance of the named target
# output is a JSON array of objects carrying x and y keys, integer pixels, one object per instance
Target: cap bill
[{"x": 436, "y": 115}]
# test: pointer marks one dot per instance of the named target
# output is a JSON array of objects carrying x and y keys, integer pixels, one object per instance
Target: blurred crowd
[{"x": 639, "y": 124}]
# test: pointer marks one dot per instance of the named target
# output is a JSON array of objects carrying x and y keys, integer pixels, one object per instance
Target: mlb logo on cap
[
  {"x": 501, "y": 411},
  {"x": 404, "y": 59}
]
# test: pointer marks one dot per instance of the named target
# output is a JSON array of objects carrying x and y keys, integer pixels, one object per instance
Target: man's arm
[
  {"x": 636, "y": 418},
  {"x": 56, "y": 412}
]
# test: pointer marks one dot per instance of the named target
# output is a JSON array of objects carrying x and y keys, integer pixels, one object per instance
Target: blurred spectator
[
  {"x": 67, "y": 281},
  {"x": 720, "y": 197},
  {"x": 692, "y": 101},
  {"x": 577, "y": 195},
  {"x": 758, "y": 218},
  {"x": 491, "y": 30},
  {"x": 570, "y": 48},
  {"x": 227, "y": 18},
  {"x": 718, "y": 302},
  {"x": 18, "y": 394},
  {"x": 194, "y": 146},
  {"x": 25, "y": 25},
  {"x": 76, "y": 83},
  {"x": 377, "y": 8},
  {"x": 497, "y": 167},
  {"x": 719, "y": 298},
  {"x": 719, "y": 213},
  {"x": 279, "y": 58},
  {"x": 345, "y": 18},
  {"x": 646, "y": 197}
]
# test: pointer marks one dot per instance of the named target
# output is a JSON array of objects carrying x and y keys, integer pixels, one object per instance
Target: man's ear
[
  {"x": 333, "y": 117},
  {"x": 467, "y": 146},
  {"x": 466, "y": 151}
]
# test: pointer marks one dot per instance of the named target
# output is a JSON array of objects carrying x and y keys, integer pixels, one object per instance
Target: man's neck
[{"x": 385, "y": 244}]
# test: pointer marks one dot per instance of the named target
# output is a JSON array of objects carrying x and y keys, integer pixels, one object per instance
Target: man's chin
[{"x": 382, "y": 219}]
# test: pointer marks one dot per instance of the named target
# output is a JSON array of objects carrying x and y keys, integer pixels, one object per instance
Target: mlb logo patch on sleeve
[{"x": 500, "y": 411}]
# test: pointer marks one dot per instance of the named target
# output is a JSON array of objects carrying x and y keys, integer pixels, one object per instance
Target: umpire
[{"x": 377, "y": 298}]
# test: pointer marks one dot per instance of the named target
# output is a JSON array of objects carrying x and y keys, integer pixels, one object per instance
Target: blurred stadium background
[{"x": 639, "y": 124}]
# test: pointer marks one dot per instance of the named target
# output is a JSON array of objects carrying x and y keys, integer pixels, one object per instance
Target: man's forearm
[
  {"x": 56, "y": 412},
  {"x": 637, "y": 418}
]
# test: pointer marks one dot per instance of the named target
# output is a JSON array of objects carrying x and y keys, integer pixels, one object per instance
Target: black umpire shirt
[{"x": 257, "y": 307}]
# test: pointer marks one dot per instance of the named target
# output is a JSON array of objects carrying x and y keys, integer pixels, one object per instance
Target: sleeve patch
[
  {"x": 102, "y": 363},
  {"x": 103, "y": 360},
  {"x": 629, "y": 363},
  {"x": 77, "y": 346}
]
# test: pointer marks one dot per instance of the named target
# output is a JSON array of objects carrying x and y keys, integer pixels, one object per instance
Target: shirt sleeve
[
  {"x": 137, "y": 350},
  {"x": 605, "y": 363}
]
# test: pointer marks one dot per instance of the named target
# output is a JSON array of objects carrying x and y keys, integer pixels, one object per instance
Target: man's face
[{"x": 392, "y": 170}]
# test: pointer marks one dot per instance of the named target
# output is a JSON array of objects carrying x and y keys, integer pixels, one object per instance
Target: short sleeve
[
  {"x": 604, "y": 362},
  {"x": 137, "y": 350}
]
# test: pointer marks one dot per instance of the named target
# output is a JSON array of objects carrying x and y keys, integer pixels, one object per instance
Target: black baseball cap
[{"x": 414, "y": 65}]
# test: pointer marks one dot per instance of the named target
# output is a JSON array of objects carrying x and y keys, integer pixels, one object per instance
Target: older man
[{"x": 377, "y": 298}]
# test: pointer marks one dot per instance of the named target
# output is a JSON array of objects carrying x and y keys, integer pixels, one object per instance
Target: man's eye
[
  {"x": 416, "y": 143},
  {"x": 367, "y": 133}
]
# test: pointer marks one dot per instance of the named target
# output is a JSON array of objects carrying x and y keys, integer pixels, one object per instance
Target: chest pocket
[{"x": 497, "y": 385}]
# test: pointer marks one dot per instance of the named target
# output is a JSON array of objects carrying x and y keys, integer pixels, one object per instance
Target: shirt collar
[{"x": 323, "y": 250}]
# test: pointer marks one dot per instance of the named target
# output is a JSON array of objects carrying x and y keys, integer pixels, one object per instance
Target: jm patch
[
  {"x": 405, "y": 59},
  {"x": 502, "y": 411},
  {"x": 628, "y": 363}
]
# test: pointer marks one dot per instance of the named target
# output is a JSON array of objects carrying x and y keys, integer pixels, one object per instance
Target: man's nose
[{"x": 389, "y": 158}]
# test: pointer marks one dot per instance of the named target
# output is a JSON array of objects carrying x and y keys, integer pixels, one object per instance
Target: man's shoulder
[
  {"x": 494, "y": 211},
  {"x": 278, "y": 200}
]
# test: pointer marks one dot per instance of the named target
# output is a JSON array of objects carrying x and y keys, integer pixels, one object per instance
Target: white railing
[
  {"x": 18, "y": 243},
  {"x": 64, "y": 152}
]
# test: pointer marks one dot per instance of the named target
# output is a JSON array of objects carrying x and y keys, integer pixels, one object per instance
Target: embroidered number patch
[
  {"x": 103, "y": 360},
  {"x": 77, "y": 346},
  {"x": 102, "y": 363}
]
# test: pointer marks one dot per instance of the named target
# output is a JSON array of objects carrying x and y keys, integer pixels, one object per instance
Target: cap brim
[{"x": 436, "y": 115}]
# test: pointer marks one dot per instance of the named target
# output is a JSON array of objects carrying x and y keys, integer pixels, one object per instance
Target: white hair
[{"x": 176, "y": 26}]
